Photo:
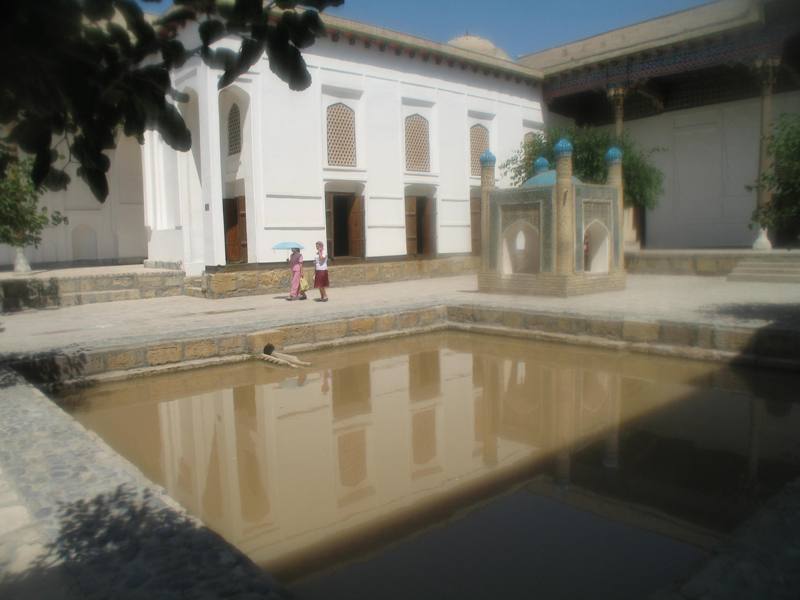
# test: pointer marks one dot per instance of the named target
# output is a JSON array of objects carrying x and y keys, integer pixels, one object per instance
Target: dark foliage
[{"x": 75, "y": 72}]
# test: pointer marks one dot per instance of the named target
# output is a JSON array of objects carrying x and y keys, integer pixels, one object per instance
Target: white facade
[
  {"x": 709, "y": 157},
  {"x": 95, "y": 231},
  {"x": 282, "y": 168}
]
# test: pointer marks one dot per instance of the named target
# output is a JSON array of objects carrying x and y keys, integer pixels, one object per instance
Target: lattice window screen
[
  {"x": 341, "y": 136},
  {"x": 418, "y": 149},
  {"x": 478, "y": 142},
  {"x": 234, "y": 131}
]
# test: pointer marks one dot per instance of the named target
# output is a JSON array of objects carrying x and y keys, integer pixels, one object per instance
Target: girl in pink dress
[{"x": 296, "y": 267}]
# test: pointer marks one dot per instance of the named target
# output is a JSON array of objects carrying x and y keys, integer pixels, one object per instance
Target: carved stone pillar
[
  {"x": 565, "y": 219},
  {"x": 488, "y": 162},
  {"x": 767, "y": 70}
]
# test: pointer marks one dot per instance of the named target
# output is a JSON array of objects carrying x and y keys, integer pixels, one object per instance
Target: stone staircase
[{"x": 768, "y": 268}]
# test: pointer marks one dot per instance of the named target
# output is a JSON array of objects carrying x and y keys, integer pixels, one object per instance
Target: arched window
[
  {"x": 341, "y": 136},
  {"x": 234, "y": 131},
  {"x": 478, "y": 143},
  {"x": 418, "y": 149}
]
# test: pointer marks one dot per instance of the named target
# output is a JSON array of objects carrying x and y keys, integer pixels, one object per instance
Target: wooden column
[
  {"x": 616, "y": 95},
  {"x": 488, "y": 162},
  {"x": 614, "y": 163}
]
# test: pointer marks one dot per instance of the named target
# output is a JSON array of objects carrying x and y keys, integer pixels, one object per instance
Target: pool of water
[{"x": 462, "y": 465}]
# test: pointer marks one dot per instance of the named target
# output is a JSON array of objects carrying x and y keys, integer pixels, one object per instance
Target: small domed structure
[{"x": 475, "y": 43}]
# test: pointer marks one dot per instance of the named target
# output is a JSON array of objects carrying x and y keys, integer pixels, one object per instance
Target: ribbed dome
[{"x": 478, "y": 44}]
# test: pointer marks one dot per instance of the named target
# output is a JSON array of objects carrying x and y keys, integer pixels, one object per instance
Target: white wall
[
  {"x": 710, "y": 156},
  {"x": 109, "y": 230}
]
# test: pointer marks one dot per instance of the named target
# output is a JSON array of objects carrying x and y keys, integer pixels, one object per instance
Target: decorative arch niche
[
  {"x": 520, "y": 249},
  {"x": 596, "y": 248}
]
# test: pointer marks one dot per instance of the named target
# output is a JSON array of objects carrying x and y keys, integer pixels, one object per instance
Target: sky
[{"x": 517, "y": 26}]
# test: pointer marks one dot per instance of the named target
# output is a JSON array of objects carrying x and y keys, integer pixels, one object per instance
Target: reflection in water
[{"x": 283, "y": 465}]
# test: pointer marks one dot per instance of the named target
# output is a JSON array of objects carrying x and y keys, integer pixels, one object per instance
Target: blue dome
[
  {"x": 613, "y": 155},
  {"x": 545, "y": 178},
  {"x": 487, "y": 158},
  {"x": 563, "y": 147},
  {"x": 540, "y": 164}
]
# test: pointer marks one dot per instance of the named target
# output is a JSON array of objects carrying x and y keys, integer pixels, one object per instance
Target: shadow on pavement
[{"x": 126, "y": 545}]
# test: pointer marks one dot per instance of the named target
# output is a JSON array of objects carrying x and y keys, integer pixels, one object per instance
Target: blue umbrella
[{"x": 287, "y": 246}]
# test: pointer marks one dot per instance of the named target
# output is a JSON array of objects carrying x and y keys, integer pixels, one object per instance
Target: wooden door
[
  {"x": 241, "y": 227},
  {"x": 329, "y": 223},
  {"x": 355, "y": 225},
  {"x": 475, "y": 224},
  {"x": 411, "y": 226},
  {"x": 429, "y": 227},
  {"x": 235, "y": 223}
]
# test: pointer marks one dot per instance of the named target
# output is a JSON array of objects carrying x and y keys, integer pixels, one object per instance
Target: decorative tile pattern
[
  {"x": 418, "y": 148},
  {"x": 341, "y": 136},
  {"x": 478, "y": 143},
  {"x": 595, "y": 202},
  {"x": 535, "y": 205}
]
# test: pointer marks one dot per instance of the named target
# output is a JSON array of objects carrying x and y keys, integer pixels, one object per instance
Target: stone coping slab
[
  {"x": 712, "y": 301},
  {"x": 766, "y": 347},
  {"x": 123, "y": 535}
]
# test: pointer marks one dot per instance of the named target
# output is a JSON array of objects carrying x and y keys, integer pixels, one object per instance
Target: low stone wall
[
  {"x": 766, "y": 346},
  {"x": 684, "y": 262},
  {"x": 551, "y": 284},
  {"x": 37, "y": 292},
  {"x": 276, "y": 280}
]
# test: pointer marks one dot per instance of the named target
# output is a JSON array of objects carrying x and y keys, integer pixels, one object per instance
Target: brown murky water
[{"x": 306, "y": 469}]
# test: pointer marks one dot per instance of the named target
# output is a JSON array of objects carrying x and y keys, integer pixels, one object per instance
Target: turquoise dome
[
  {"x": 545, "y": 178},
  {"x": 563, "y": 147},
  {"x": 613, "y": 155},
  {"x": 540, "y": 165},
  {"x": 487, "y": 158}
]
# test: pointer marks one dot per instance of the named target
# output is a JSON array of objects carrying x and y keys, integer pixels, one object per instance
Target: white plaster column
[
  {"x": 254, "y": 182},
  {"x": 211, "y": 171}
]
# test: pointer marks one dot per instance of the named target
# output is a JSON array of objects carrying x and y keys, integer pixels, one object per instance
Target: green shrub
[{"x": 643, "y": 182}]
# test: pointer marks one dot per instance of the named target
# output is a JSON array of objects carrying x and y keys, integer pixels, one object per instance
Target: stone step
[
  {"x": 765, "y": 277},
  {"x": 194, "y": 292},
  {"x": 77, "y": 298},
  {"x": 789, "y": 270}
]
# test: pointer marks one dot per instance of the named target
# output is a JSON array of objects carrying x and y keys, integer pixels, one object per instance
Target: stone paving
[
  {"x": 68, "y": 530},
  {"x": 48, "y": 461},
  {"x": 648, "y": 297}
]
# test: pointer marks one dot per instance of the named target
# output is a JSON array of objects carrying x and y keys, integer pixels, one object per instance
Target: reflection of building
[{"x": 287, "y": 467}]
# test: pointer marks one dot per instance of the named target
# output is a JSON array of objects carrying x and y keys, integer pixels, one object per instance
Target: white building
[{"x": 379, "y": 156}]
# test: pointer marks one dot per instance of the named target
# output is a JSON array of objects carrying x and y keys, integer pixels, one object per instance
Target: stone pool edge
[
  {"x": 49, "y": 461},
  {"x": 769, "y": 347}
]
